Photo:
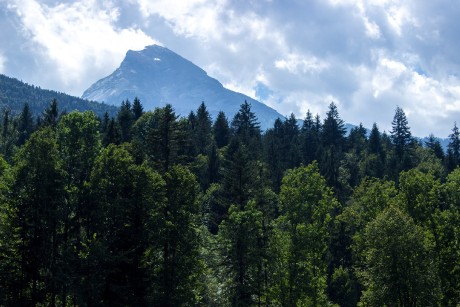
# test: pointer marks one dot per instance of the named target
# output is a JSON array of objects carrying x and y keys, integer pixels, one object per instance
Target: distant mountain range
[
  {"x": 14, "y": 94},
  {"x": 158, "y": 76}
]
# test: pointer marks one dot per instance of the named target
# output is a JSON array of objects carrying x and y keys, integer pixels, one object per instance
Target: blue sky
[{"x": 366, "y": 56}]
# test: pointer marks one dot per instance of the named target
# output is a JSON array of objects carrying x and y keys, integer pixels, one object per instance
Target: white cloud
[
  {"x": 366, "y": 55},
  {"x": 189, "y": 18},
  {"x": 295, "y": 63},
  {"x": 78, "y": 39},
  {"x": 431, "y": 105}
]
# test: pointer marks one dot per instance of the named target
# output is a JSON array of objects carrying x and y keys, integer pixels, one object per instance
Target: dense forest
[
  {"x": 14, "y": 93},
  {"x": 148, "y": 209}
]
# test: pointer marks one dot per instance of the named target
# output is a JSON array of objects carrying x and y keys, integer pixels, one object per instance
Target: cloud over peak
[{"x": 368, "y": 56}]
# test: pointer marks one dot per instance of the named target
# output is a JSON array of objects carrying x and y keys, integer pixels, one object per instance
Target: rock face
[{"x": 158, "y": 76}]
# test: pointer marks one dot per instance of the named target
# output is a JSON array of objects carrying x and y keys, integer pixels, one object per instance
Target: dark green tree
[
  {"x": 125, "y": 120},
  {"x": 247, "y": 129},
  {"x": 333, "y": 137},
  {"x": 453, "y": 149},
  {"x": 164, "y": 138},
  {"x": 402, "y": 141},
  {"x": 51, "y": 114},
  {"x": 38, "y": 196},
  {"x": 310, "y": 136},
  {"x": 374, "y": 164},
  {"x": 79, "y": 144},
  {"x": 137, "y": 109},
  {"x": 400, "y": 262},
  {"x": 306, "y": 207},
  {"x": 177, "y": 270},
  {"x": 221, "y": 130},
  {"x": 434, "y": 145},
  {"x": 25, "y": 125},
  {"x": 112, "y": 135},
  {"x": 123, "y": 196}
]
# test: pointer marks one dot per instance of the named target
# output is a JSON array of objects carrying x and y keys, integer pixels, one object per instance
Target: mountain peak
[{"x": 157, "y": 76}]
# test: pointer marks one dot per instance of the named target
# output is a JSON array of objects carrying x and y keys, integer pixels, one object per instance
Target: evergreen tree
[
  {"x": 402, "y": 140},
  {"x": 434, "y": 145},
  {"x": 25, "y": 125},
  {"x": 125, "y": 119},
  {"x": 333, "y": 136},
  {"x": 246, "y": 128},
  {"x": 202, "y": 135},
  {"x": 51, "y": 114},
  {"x": 290, "y": 145},
  {"x": 311, "y": 139},
  {"x": 122, "y": 198},
  {"x": 164, "y": 138},
  {"x": 221, "y": 130},
  {"x": 273, "y": 154},
  {"x": 374, "y": 163},
  {"x": 79, "y": 144},
  {"x": 112, "y": 135},
  {"x": 105, "y": 123},
  {"x": 453, "y": 149},
  {"x": 137, "y": 109},
  {"x": 354, "y": 157},
  {"x": 9, "y": 135},
  {"x": 178, "y": 270},
  {"x": 39, "y": 199}
]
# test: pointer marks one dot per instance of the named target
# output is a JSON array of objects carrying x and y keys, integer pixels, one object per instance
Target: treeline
[
  {"x": 148, "y": 209},
  {"x": 14, "y": 93}
]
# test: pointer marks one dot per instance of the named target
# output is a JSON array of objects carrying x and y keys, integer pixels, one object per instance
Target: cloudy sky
[{"x": 368, "y": 56}]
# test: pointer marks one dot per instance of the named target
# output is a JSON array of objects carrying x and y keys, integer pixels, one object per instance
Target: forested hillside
[
  {"x": 148, "y": 209},
  {"x": 14, "y": 93}
]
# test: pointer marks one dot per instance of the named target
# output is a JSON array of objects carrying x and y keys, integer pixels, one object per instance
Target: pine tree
[
  {"x": 310, "y": 138},
  {"x": 122, "y": 197},
  {"x": 434, "y": 145},
  {"x": 453, "y": 149},
  {"x": 39, "y": 196},
  {"x": 221, "y": 130},
  {"x": 374, "y": 163},
  {"x": 112, "y": 135},
  {"x": 245, "y": 127},
  {"x": 333, "y": 137},
  {"x": 290, "y": 143},
  {"x": 402, "y": 139},
  {"x": 202, "y": 129},
  {"x": 137, "y": 109},
  {"x": 79, "y": 144},
  {"x": 164, "y": 138},
  {"x": 125, "y": 119},
  {"x": 51, "y": 114},
  {"x": 176, "y": 277},
  {"x": 25, "y": 125}
]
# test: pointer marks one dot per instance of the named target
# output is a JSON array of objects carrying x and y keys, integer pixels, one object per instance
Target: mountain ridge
[
  {"x": 14, "y": 93},
  {"x": 157, "y": 76}
]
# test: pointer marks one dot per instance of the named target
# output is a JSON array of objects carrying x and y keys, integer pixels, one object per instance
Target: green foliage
[
  {"x": 39, "y": 202},
  {"x": 453, "y": 150},
  {"x": 333, "y": 137},
  {"x": 178, "y": 268},
  {"x": 13, "y": 94},
  {"x": 187, "y": 212},
  {"x": 399, "y": 261},
  {"x": 306, "y": 206},
  {"x": 421, "y": 195},
  {"x": 221, "y": 130}
]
